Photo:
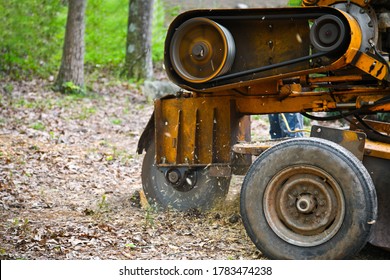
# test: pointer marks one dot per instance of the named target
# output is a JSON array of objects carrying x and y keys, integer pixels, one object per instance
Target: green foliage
[
  {"x": 159, "y": 31},
  {"x": 294, "y": 3},
  {"x": 106, "y": 32},
  {"x": 8, "y": 87},
  {"x": 2, "y": 251},
  {"x": 105, "y": 35},
  {"x": 129, "y": 245},
  {"x": 21, "y": 225},
  {"x": 86, "y": 113},
  {"x": 116, "y": 121},
  {"x": 38, "y": 126},
  {"x": 31, "y": 35},
  {"x": 384, "y": 117},
  {"x": 306, "y": 121},
  {"x": 71, "y": 88},
  {"x": 103, "y": 204}
]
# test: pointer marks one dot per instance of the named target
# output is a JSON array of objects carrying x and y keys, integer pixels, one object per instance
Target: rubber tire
[
  {"x": 207, "y": 192},
  {"x": 353, "y": 178}
]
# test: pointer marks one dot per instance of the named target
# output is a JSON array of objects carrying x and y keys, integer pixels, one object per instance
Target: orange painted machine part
[
  {"x": 281, "y": 41},
  {"x": 199, "y": 128},
  {"x": 310, "y": 3},
  {"x": 237, "y": 77}
]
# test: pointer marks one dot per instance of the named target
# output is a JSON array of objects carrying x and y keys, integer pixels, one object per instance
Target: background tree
[
  {"x": 71, "y": 73},
  {"x": 138, "y": 65}
]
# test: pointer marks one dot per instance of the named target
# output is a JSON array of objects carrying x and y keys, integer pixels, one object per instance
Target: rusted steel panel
[
  {"x": 195, "y": 131},
  {"x": 351, "y": 140}
]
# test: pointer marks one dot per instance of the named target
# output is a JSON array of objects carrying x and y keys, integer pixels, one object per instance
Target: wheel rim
[
  {"x": 304, "y": 205},
  {"x": 201, "y": 50}
]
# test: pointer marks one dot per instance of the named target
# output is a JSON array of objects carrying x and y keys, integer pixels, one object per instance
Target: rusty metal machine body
[{"x": 318, "y": 197}]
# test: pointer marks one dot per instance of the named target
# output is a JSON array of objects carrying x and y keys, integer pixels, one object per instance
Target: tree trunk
[
  {"x": 72, "y": 64},
  {"x": 138, "y": 64}
]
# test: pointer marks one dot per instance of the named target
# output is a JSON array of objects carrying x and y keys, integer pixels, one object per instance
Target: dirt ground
[{"x": 70, "y": 179}]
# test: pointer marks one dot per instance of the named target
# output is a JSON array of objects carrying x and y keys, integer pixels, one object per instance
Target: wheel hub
[
  {"x": 173, "y": 176},
  {"x": 181, "y": 179},
  {"x": 304, "y": 205},
  {"x": 200, "y": 51}
]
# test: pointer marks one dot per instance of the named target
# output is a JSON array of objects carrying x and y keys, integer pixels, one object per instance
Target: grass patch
[
  {"x": 116, "y": 121},
  {"x": 86, "y": 113},
  {"x": 38, "y": 126}
]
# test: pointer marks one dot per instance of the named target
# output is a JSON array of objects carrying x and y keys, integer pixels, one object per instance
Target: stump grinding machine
[{"x": 318, "y": 197}]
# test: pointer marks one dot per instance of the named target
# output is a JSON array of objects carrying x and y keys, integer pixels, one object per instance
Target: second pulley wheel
[
  {"x": 328, "y": 33},
  {"x": 201, "y": 50}
]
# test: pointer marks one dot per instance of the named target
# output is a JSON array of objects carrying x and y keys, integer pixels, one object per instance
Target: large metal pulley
[
  {"x": 201, "y": 50},
  {"x": 327, "y": 33}
]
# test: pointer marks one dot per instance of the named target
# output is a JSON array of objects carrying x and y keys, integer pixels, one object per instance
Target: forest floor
[{"x": 70, "y": 182}]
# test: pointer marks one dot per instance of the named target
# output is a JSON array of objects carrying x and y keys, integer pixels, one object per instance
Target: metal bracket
[{"x": 351, "y": 140}]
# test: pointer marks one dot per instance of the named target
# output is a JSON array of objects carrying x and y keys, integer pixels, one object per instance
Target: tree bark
[
  {"x": 138, "y": 64},
  {"x": 72, "y": 64}
]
